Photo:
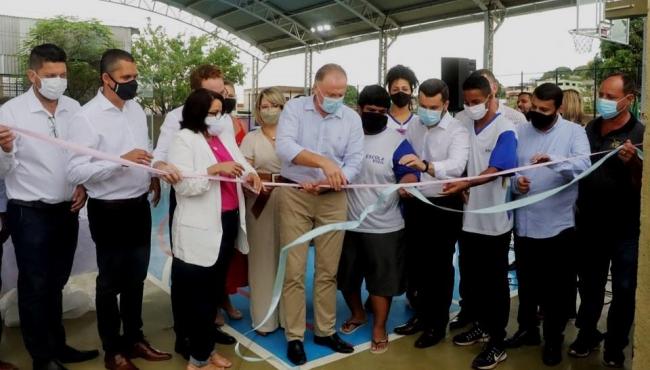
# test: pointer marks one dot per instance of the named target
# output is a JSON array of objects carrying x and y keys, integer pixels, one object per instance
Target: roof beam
[
  {"x": 150, "y": 6},
  {"x": 369, "y": 14},
  {"x": 275, "y": 18},
  {"x": 436, "y": 24}
]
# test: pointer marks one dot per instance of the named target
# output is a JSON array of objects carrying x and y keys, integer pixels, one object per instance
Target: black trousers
[
  {"x": 45, "y": 240},
  {"x": 432, "y": 253},
  {"x": 545, "y": 269},
  {"x": 121, "y": 231},
  {"x": 178, "y": 313},
  {"x": 598, "y": 248},
  {"x": 484, "y": 258},
  {"x": 196, "y": 287}
]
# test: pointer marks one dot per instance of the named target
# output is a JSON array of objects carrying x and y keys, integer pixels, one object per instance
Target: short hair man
[
  {"x": 513, "y": 115},
  {"x": 612, "y": 189},
  {"x": 524, "y": 102},
  {"x": 545, "y": 231},
  {"x": 119, "y": 214},
  {"x": 320, "y": 143},
  {"x": 485, "y": 240},
  {"x": 43, "y": 206},
  {"x": 441, "y": 144}
]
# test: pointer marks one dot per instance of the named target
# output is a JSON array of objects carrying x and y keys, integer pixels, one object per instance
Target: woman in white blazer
[{"x": 209, "y": 219}]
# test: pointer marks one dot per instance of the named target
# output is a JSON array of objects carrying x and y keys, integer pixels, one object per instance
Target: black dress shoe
[
  {"x": 459, "y": 321},
  {"x": 524, "y": 337},
  {"x": 552, "y": 354},
  {"x": 48, "y": 365},
  {"x": 414, "y": 325},
  {"x": 296, "y": 352},
  {"x": 69, "y": 355},
  {"x": 182, "y": 347},
  {"x": 429, "y": 338},
  {"x": 222, "y": 337},
  {"x": 335, "y": 343}
]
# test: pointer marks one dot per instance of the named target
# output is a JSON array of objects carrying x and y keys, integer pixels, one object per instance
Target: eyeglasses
[{"x": 52, "y": 121}]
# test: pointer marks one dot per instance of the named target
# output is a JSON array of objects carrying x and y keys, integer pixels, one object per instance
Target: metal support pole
[
  {"x": 645, "y": 106},
  {"x": 256, "y": 76},
  {"x": 383, "y": 57},
  {"x": 595, "y": 87},
  {"x": 488, "y": 39},
  {"x": 308, "y": 70}
]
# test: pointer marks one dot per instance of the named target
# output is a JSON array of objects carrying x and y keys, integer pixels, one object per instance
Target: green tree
[
  {"x": 351, "y": 96},
  {"x": 83, "y": 41},
  {"x": 561, "y": 72},
  {"x": 165, "y": 64}
]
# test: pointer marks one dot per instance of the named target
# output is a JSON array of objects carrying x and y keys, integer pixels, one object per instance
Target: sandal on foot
[
  {"x": 378, "y": 347},
  {"x": 220, "y": 361},
  {"x": 350, "y": 326},
  {"x": 235, "y": 314}
]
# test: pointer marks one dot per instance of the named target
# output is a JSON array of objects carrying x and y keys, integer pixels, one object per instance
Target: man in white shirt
[
  {"x": 442, "y": 146},
  {"x": 118, "y": 209},
  {"x": 43, "y": 206},
  {"x": 485, "y": 240},
  {"x": 513, "y": 115},
  {"x": 208, "y": 77}
]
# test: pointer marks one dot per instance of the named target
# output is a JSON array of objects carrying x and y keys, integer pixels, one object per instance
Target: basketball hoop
[{"x": 583, "y": 43}]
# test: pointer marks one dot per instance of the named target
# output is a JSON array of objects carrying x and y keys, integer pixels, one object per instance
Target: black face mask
[
  {"x": 401, "y": 99},
  {"x": 541, "y": 121},
  {"x": 127, "y": 90},
  {"x": 229, "y": 105},
  {"x": 373, "y": 123}
]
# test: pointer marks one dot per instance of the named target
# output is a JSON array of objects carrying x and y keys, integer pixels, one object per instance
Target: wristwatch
[{"x": 426, "y": 165}]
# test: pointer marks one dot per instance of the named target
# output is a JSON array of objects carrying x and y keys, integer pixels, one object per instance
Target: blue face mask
[
  {"x": 429, "y": 117},
  {"x": 331, "y": 105},
  {"x": 607, "y": 108}
]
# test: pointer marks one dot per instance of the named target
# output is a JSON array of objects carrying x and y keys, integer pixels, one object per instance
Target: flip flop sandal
[
  {"x": 220, "y": 361},
  {"x": 378, "y": 347},
  {"x": 349, "y": 326}
]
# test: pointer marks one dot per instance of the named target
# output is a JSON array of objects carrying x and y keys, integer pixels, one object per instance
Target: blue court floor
[{"x": 274, "y": 345}]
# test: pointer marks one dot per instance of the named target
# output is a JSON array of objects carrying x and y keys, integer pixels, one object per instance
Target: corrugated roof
[{"x": 285, "y": 26}]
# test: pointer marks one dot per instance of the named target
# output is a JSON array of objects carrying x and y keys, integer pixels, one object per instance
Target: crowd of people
[{"x": 227, "y": 234}]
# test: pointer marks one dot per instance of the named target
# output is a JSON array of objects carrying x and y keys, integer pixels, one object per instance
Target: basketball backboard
[{"x": 592, "y": 24}]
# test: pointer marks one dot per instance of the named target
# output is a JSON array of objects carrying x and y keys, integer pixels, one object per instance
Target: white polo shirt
[
  {"x": 36, "y": 171},
  {"x": 380, "y": 165},
  {"x": 394, "y": 124},
  {"x": 494, "y": 146},
  {"x": 102, "y": 126}
]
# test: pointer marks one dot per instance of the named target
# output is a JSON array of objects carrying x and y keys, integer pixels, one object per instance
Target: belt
[
  {"x": 285, "y": 180},
  {"x": 271, "y": 177},
  {"x": 39, "y": 204},
  {"x": 121, "y": 202},
  {"x": 263, "y": 198}
]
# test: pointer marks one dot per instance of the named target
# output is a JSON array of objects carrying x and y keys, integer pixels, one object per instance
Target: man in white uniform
[{"x": 485, "y": 240}]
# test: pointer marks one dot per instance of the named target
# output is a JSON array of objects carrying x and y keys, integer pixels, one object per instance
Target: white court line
[{"x": 269, "y": 357}]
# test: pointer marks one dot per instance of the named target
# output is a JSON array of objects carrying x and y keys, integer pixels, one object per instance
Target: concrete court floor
[{"x": 82, "y": 333}]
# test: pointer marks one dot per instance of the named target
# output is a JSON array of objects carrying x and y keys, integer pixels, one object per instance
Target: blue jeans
[
  {"x": 598, "y": 248},
  {"x": 45, "y": 240}
]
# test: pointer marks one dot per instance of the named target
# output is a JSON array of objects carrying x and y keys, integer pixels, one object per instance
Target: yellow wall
[{"x": 642, "y": 328}]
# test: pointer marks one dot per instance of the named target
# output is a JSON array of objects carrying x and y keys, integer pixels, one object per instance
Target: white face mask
[
  {"x": 216, "y": 124},
  {"x": 476, "y": 112},
  {"x": 53, "y": 88}
]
